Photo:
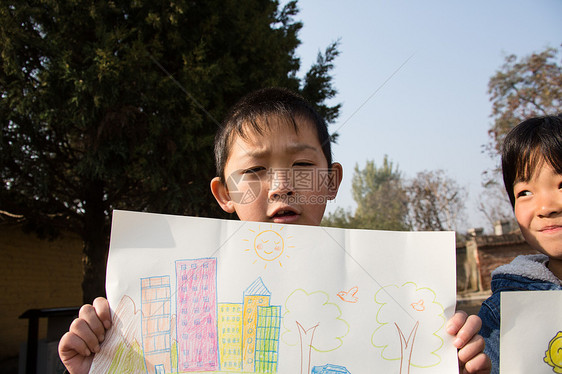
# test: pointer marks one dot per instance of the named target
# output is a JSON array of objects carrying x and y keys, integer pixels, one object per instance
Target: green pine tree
[{"x": 115, "y": 104}]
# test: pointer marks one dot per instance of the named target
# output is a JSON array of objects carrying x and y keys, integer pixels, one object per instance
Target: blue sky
[{"x": 434, "y": 111}]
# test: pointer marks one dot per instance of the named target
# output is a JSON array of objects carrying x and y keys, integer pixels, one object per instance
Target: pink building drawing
[{"x": 196, "y": 303}]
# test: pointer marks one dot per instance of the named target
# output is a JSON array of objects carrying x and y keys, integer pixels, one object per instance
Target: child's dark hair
[
  {"x": 251, "y": 113},
  {"x": 528, "y": 144}
]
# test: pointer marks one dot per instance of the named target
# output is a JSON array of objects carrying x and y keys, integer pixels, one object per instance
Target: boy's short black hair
[
  {"x": 528, "y": 144},
  {"x": 251, "y": 113}
]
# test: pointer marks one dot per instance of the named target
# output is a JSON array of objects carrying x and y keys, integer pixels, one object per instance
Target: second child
[{"x": 532, "y": 174}]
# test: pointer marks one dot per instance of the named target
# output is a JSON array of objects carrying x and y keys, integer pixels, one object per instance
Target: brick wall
[
  {"x": 35, "y": 274},
  {"x": 491, "y": 251}
]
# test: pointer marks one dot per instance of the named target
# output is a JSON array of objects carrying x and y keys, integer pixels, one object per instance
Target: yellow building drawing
[{"x": 230, "y": 320}]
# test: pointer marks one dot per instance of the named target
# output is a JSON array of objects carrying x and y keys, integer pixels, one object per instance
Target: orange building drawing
[
  {"x": 156, "y": 324},
  {"x": 256, "y": 295}
]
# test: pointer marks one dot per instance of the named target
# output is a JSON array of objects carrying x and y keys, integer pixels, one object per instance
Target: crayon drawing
[
  {"x": 423, "y": 315},
  {"x": 156, "y": 325},
  {"x": 268, "y": 245},
  {"x": 215, "y": 296},
  {"x": 245, "y": 334},
  {"x": 330, "y": 369},
  {"x": 553, "y": 354},
  {"x": 301, "y": 326},
  {"x": 349, "y": 296},
  {"x": 196, "y": 308}
]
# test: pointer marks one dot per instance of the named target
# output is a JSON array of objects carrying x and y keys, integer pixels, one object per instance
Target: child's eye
[
  {"x": 303, "y": 163},
  {"x": 253, "y": 170},
  {"x": 524, "y": 193}
]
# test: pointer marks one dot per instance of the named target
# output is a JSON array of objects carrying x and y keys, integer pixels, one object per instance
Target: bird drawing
[{"x": 349, "y": 296}]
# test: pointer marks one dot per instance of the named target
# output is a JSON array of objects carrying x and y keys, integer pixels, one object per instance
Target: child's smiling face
[
  {"x": 538, "y": 210},
  {"x": 280, "y": 176}
]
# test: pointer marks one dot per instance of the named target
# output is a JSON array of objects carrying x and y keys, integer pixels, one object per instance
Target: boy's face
[
  {"x": 280, "y": 177},
  {"x": 538, "y": 210}
]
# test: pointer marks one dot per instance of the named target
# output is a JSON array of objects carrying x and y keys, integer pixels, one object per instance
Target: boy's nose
[
  {"x": 280, "y": 184},
  {"x": 550, "y": 204}
]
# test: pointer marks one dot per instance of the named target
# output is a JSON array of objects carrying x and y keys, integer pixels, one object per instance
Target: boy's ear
[
  {"x": 336, "y": 171},
  {"x": 220, "y": 192}
]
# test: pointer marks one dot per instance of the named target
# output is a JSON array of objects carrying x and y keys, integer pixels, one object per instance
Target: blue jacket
[{"x": 524, "y": 273}]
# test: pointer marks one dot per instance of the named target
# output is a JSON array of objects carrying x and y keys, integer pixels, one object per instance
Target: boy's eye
[
  {"x": 303, "y": 163},
  {"x": 524, "y": 193},
  {"x": 253, "y": 170}
]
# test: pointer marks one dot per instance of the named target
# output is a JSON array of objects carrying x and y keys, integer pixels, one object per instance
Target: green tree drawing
[
  {"x": 407, "y": 312},
  {"x": 308, "y": 315}
]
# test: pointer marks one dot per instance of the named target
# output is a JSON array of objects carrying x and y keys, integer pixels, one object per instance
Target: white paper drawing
[
  {"x": 215, "y": 296},
  {"x": 531, "y": 332}
]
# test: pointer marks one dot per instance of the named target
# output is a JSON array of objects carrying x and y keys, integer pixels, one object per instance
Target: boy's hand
[
  {"x": 78, "y": 346},
  {"x": 470, "y": 345}
]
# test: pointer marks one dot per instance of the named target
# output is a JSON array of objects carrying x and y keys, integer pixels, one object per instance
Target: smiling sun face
[{"x": 269, "y": 246}]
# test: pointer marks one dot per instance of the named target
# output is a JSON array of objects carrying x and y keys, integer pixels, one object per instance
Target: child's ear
[
  {"x": 220, "y": 192},
  {"x": 336, "y": 171}
]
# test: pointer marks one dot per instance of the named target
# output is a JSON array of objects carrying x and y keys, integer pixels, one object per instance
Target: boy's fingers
[
  {"x": 71, "y": 345},
  {"x": 471, "y": 350},
  {"x": 82, "y": 331},
  {"x": 101, "y": 305},
  {"x": 470, "y": 328},
  {"x": 88, "y": 326},
  {"x": 456, "y": 322},
  {"x": 480, "y": 364}
]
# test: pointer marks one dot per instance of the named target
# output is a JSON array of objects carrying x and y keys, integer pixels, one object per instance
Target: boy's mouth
[
  {"x": 551, "y": 229},
  {"x": 284, "y": 213},
  {"x": 285, "y": 216}
]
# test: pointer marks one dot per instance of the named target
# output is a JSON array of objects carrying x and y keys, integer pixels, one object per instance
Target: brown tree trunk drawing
[
  {"x": 306, "y": 337},
  {"x": 406, "y": 346}
]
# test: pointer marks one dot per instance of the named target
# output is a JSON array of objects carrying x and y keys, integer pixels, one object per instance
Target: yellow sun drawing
[{"x": 269, "y": 245}]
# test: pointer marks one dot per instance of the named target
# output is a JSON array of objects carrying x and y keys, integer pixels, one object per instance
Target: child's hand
[
  {"x": 472, "y": 358},
  {"x": 78, "y": 346}
]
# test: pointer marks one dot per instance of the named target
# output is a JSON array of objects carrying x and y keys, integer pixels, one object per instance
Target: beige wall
[{"x": 35, "y": 274}]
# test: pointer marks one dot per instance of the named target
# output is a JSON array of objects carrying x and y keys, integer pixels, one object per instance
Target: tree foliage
[
  {"x": 318, "y": 83},
  {"x": 386, "y": 200},
  {"x": 523, "y": 88},
  {"x": 436, "y": 202},
  {"x": 494, "y": 205},
  {"x": 114, "y": 105},
  {"x": 381, "y": 198}
]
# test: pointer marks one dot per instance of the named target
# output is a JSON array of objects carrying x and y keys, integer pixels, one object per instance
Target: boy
[
  {"x": 267, "y": 138},
  {"x": 532, "y": 174}
]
